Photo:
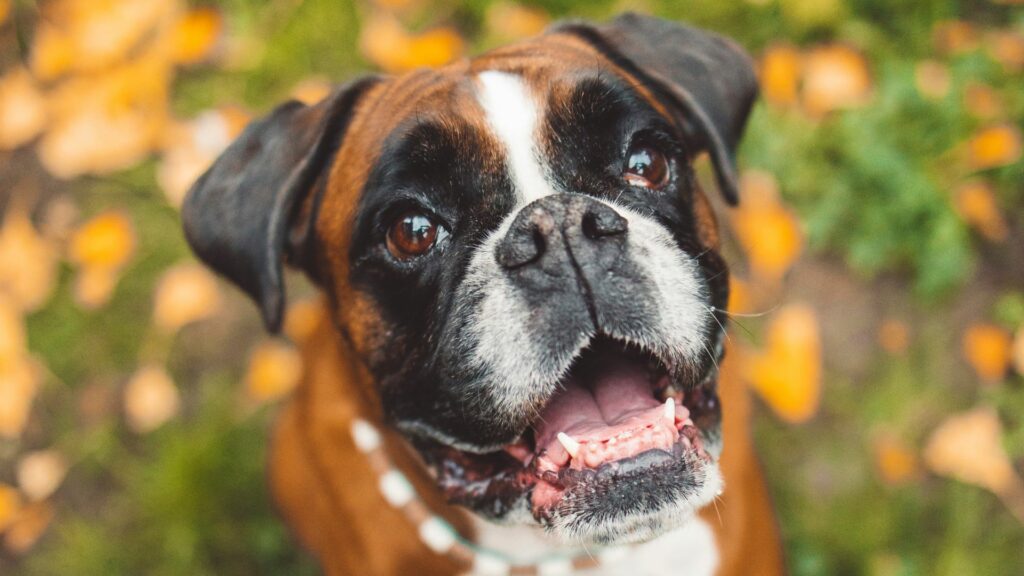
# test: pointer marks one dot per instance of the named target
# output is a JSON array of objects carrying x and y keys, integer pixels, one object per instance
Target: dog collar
[{"x": 441, "y": 537}]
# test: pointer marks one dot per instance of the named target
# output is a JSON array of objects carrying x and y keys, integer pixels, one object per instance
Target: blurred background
[{"x": 878, "y": 296}]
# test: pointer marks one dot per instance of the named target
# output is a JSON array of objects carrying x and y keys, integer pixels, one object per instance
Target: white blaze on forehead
[{"x": 511, "y": 113}]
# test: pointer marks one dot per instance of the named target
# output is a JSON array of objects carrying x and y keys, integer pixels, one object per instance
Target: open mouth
[{"x": 625, "y": 430}]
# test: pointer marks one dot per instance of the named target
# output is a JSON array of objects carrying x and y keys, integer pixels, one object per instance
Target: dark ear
[
  {"x": 708, "y": 80},
  {"x": 239, "y": 214}
]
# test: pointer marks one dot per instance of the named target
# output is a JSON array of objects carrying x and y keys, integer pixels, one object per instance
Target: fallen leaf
[
  {"x": 787, "y": 373},
  {"x": 994, "y": 146},
  {"x": 185, "y": 293},
  {"x": 28, "y": 262},
  {"x": 968, "y": 447},
  {"x": 22, "y": 109},
  {"x": 1007, "y": 48},
  {"x": 768, "y": 233},
  {"x": 835, "y": 77},
  {"x": 741, "y": 300},
  {"x": 5, "y": 10},
  {"x": 28, "y": 527},
  {"x": 781, "y": 66},
  {"x": 191, "y": 147},
  {"x": 895, "y": 462},
  {"x": 388, "y": 45},
  {"x": 976, "y": 203},
  {"x": 1018, "y": 351},
  {"x": 954, "y": 37},
  {"x": 932, "y": 79},
  {"x": 19, "y": 374},
  {"x": 41, "y": 473},
  {"x": 150, "y": 399},
  {"x": 982, "y": 101},
  {"x": 303, "y": 318},
  {"x": 107, "y": 241},
  {"x": 311, "y": 90},
  {"x": 196, "y": 34},
  {"x": 894, "y": 336},
  {"x": 987, "y": 349},
  {"x": 93, "y": 287},
  {"x": 274, "y": 370},
  {"x": 509, "y": 21},
  {"x": 10, "y": 504}
]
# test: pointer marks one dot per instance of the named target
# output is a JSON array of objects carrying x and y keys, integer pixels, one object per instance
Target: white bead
[
  {"x": 366, "y": 437},
  {"x": 437, "y": 535},
  {"x": 396, "y": 489}
]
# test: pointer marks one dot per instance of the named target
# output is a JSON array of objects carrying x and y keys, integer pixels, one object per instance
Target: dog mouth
[{"x": 624, "y": 429}]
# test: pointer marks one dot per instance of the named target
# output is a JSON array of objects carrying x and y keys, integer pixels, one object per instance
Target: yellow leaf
[
  {"x": 895, "y": 462},
  {"x": 10, "y": 504},
  {"x": 741, "y": 299},
  {"x": 5, "y": 10},
  {"x": 780, "y": 74},
  {"x": 311, "y": 90},
  {"x": 107, "y": 241},
  {"x": 274, "y": 370},
  {"x": 93, "y": 287},
  {"x": 29, "y": 525},
  {"x": 28, "y": 262},
  {"x": 41, "y": 473},
  {"x": 22, "y": 109},
  {"x": 894, "y": 336},
  {"x": 19, "y": 375},
  {"x": 387, "y": 44},
  {"x": 932, "y": 79},
  {"x": 195, "y": 35},
  {"x": 303, "y": 318},
  {"x": 787, "y": 373},
  {"x": 835, "y": 77},
  {"x": 508, "y": 21},
  {"x": 191, "y": 147},
  {"x": 968, "y": 447},
  {"x": 994, "y": 146},
  {"x": 987, "y": 349},
  {"x": 982, "y": 101},
  {"x": 976, "y": 203},
  {"x": 185, "y": 293},
  {"x": 768, "y": 233},
  {"x": 150, "y": 399},
  {"x": 12, "y": 334},
  {"x": 1007, "y": 48}
]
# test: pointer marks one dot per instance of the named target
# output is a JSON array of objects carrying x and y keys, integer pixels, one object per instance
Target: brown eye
[
  {"x": 646, "y": 167},
  {"x": 412, "y": 234}
]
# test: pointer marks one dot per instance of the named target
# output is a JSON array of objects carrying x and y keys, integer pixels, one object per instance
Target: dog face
[{"x": 517, "y": 249}]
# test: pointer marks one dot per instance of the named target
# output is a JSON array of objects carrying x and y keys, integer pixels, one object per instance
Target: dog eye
[
  {"x": 646, "y": 167},
  {"x": 413, "y": 234}
]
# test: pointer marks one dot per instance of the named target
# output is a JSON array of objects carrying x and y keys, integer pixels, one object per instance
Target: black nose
[{"x": 555, "y": 225}]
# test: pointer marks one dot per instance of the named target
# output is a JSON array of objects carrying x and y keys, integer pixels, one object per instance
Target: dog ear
[
  {"x": 708, "y": 80},
  {"x": 241, "y": 216}
]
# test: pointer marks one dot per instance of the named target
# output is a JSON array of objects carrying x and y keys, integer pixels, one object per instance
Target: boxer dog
[{"x": 523, "y": 290}]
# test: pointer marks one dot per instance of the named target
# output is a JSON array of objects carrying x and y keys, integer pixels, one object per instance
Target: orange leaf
[
  {"x": 780, "y": 74},
  {"x": 5, "y": 10},
  {"x": 19, "y": 375},
  {"x": 22, "y": 109},
  {"x": 508, "y": 21},
  {"x": 274, "y": 370},
  {"x": 387, "y": 44},
  {"x": 954, "y": 37},
  {"x": 994, "y": 146},
  {"x": 186, "y": 293},
  {"x": 10, "y": 504},
  {"x": 894, "y": 336},
  {"x": 311, "y": 90},
  {"x": 93, "y": 287},
  {"x": 303, "y": 318},
  {"x": 150, "y": 399},
  {"x": 1007, "y": 48},
  {"x": 835, "y": 77},
  {"x": 968, "y": 447},
  {"x": 895, "y": 462},
  {"x": 28, "y": 262},
  {"x": 976, "y": 203},
  {"x": 41, "y": 473},
  {"x": 769, "y": 234},
  {"x": 107, "y": 241},
  {"x": 982, "y": 101},
  {"x": 787, "y": 374},
  {"x": 29, "y": 525},
  {"x": 195, "y": 35},
  {"x": 987, "y": 349},
  {"x": 192, "y": 146},
  {"x": 932, "y": 79}
]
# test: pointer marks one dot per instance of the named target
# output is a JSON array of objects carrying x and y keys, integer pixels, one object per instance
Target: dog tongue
[{"x": 606, "y": 404}]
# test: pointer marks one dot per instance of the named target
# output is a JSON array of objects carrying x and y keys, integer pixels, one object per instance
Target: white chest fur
[{"x": 690, "y": 550}]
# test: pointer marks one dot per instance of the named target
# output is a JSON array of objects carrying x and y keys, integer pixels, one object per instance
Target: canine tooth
[
  {"x": 670, "y": 410},
  {"x": 571, "y": 446}
]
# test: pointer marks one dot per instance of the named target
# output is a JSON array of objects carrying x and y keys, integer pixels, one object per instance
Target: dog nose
[{"x": 560, "y": 218}]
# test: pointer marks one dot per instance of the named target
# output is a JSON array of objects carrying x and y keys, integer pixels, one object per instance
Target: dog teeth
[
  {"x": 571, "y": 446},
  {"x": 670, "y": 410}
]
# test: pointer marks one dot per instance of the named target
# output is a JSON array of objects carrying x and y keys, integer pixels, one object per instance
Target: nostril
[
  {"x": 603, "y": 222},
  {"x": 526, "y": 240}
]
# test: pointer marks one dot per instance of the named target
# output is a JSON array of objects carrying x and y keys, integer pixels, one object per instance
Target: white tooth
[
  {"x": 670, "y": 410},
  {"x": 571, "y": 446}
]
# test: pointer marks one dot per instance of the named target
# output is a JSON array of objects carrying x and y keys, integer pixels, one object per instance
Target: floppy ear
[
  {"x": 240, "y": 216},
  {"x": 707, "y": 80}
]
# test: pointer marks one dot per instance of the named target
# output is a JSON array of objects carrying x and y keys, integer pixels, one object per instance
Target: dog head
[{"x": 517, "y": 249}]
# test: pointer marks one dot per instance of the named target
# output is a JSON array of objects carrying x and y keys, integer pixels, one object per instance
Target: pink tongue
[{"x": 618, "y": 400}]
